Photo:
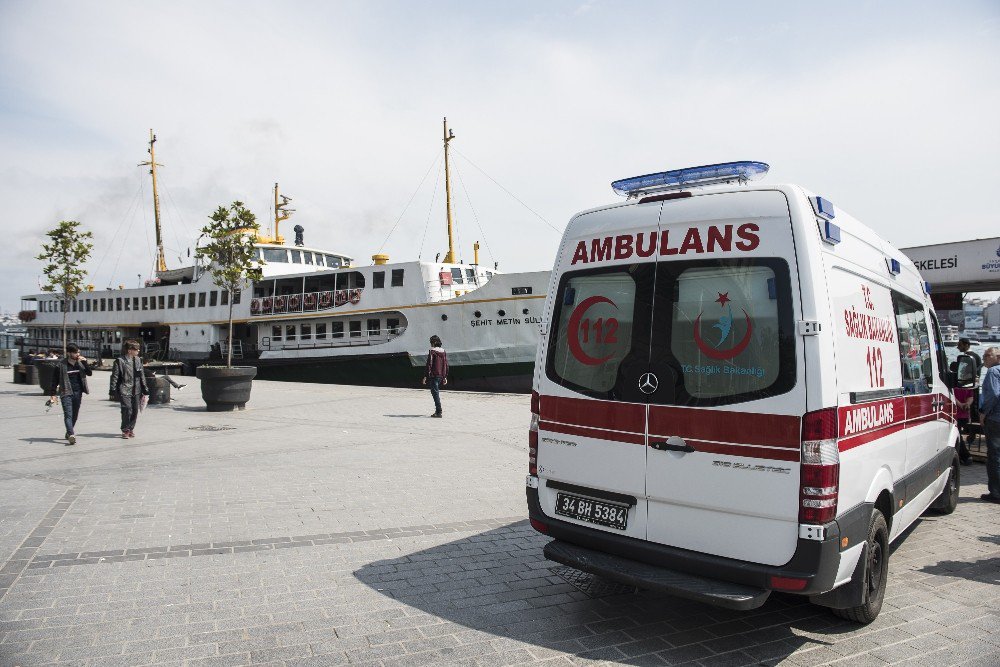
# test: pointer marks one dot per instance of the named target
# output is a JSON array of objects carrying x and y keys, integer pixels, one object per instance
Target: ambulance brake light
[
  {"x": 819, "y": 474},
  {"x": 692, "y": 176}
]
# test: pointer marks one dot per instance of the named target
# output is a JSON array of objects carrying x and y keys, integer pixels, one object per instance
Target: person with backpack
[
  {"x": 69, "y": 384},
  {"x": 128, "y": 384},
  {"x": 436, "y": 372}
]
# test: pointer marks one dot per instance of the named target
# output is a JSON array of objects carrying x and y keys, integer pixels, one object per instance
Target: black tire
[
  {"x": 875, "y": 573},
  {"x": 948, "y": 500}
]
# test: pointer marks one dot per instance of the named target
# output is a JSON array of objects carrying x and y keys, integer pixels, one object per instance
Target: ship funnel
[{"x": 380, "y": 259}]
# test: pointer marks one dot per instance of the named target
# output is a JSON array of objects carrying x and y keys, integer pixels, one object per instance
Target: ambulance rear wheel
[
  {"x": 948, "y": 500},
  {"x": 875, "y": 573}
]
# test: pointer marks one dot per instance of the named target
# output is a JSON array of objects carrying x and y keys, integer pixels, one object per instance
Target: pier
[{"x": 329, "y": 525}]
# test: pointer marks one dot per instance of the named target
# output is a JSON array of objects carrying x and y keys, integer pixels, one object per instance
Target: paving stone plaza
[{"x": 330, "y": 525}]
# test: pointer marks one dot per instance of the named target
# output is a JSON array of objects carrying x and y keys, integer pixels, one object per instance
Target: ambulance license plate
[{"x": 592, "y": 511}]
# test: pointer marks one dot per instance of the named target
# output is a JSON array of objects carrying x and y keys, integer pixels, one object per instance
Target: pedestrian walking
[
  {"x": 989, "y": 417},
  {"x": 963, "y": 401},
  {"x": 436, "y": 374},
  {"x": 128, "y": 383},
  {"x": 69, "y": 384},
  {"x": 965, "y": 347}
]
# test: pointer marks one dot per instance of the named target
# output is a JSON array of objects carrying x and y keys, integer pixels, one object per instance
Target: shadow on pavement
[
  {"x": 986, "y": 570},
  {"x": 498, "y": 582},
  {"x": 409, "y": 416}
]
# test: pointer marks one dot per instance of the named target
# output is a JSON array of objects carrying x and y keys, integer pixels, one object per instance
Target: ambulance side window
[
  {"x": 592, "y": 330},
  {"x": 914, "y": 346}
]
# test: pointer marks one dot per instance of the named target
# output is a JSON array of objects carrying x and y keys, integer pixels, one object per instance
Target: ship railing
[
  {"x": 346, "y": 341},
  {"x": 304, "y": 302}
]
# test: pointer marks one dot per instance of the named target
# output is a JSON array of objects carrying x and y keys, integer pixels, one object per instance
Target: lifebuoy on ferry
[
  {"x": 279, "y": 303},
  {"x": 294, "y": 301},
  {"x": 340, "y": 297},
  {"x": 255, "y": 306},
  {"x": 310, "y": 301},
  {"x": 325, "y": 299},
  {"x": 266, "y": 303},
  {"x": 356, "y": 296}
]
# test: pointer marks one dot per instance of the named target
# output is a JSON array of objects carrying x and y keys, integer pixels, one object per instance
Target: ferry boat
[{"x": 315, "y": 316}]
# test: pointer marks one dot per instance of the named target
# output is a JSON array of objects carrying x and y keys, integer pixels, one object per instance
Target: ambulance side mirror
[{"x": 965, "y": 373}]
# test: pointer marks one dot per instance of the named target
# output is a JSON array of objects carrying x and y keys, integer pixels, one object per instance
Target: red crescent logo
[
  {"x": 722, "y": 354},
  {"x": 573, "y": 333}
]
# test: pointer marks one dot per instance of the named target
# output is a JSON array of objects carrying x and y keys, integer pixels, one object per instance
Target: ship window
[
  {"x": 103, "y": 305},
  {"x": 201, "y": 299},
  {"x": 392, "y": 326},
  {"x": 74, "y": 305},
  {"x": 236, "y": 297},
  {"x": 378, "y": 280},
  {"x": 471, "y": 275},
  {"x": 319, "y": 260},
  {"x": 159, "y": 301},
  {"x": 145, "y": 303},
  {"x": 308, "y": 257},
  {"x": 355, "y": 327},
  {"x": 276, "y": 332},
  {"x": 333, "y": 261},
  {"x": 259, "y": 254},
  {"x": 180, "y": 300},
  {"x": 321, "y": 330},
  {"x": 289, "y": 332},
  {"x": 135, "y": 303},
  {"x": 456, "y": 276},
  {"x": 213, "y": 298},
  {"x": 336, "y": 329},
  {"x": 374, "y": 327},
  {"x": 276, "y": 255},
  {"x": 224, "y": 300},
  {"x": 88, "y": 305},
  {"x": 170, "y": 301},
  {"x": 397, "y": 277},
  {"x": 296, "y": 256},
  {"x": 306, "y": 331}
]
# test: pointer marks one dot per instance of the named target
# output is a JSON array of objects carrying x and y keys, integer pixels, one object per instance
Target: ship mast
[
  {"x": 161, "y": 261},
  {"x": 281, "y": 212},
  {"x": 448, "y": 136}
]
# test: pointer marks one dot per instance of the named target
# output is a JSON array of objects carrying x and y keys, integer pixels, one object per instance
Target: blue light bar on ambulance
[
  {"x": 704, "y": 175},
  {"x": 823, "y": 208},
  {"x": 894, "y": 267},
  {"x": 831, "y": 233}
]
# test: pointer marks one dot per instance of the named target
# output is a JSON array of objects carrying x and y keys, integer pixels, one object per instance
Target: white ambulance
[{"x": 741, "y": 389}]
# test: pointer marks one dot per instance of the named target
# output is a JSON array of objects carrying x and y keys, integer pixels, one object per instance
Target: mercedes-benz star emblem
[{"x": 648, "y": 383}]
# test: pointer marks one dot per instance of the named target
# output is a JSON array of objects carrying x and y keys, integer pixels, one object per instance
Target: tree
[
  {"x": 64, "y": 255},
  {"x": 231, "y": 255}
]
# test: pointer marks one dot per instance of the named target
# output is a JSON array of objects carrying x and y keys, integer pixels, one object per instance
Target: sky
[{"x": 887, "y": 109}]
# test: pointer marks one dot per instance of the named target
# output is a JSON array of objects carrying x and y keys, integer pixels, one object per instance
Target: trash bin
[
  {"x": 21, "y": 374},
  {"x": 45, "y": 370},
  {"x": 159, "y": 389}
]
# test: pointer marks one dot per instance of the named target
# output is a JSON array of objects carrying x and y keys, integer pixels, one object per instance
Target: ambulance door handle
[{"x": 673, "y": 444}]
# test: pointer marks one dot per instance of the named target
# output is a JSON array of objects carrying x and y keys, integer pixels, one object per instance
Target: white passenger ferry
[{"x": 316, "y": 316}]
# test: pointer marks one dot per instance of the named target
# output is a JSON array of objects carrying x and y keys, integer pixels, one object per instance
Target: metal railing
[{"x": 304, "y": 302}]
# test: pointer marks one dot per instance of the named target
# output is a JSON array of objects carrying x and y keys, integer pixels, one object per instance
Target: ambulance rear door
[{"x": 725, "y": 388}]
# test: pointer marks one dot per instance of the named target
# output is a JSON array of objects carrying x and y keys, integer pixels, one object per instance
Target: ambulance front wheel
[
  {"x": 948, "y": 500},
  {"x": 874, "y": 573}
]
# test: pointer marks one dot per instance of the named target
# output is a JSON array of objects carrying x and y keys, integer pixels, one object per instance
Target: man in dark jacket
[
  {"x": 436, "y": 372},
  {"x": 69, "y": 383},
  {"x": 128, "y": 384}
]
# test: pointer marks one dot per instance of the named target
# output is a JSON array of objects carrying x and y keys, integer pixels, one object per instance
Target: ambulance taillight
[
  {"x": 820, "y": 475},
  {"x": 533, "y": 435}
]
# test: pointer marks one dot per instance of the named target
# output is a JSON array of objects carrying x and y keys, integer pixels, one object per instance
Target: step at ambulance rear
[{"x": 671, "y": 383}]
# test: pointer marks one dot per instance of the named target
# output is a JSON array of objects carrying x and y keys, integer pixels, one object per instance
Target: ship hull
[{"x": 395, "y": 370}]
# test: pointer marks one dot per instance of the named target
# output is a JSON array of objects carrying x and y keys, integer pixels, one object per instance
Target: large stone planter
[{"x": 225, "y": 389}]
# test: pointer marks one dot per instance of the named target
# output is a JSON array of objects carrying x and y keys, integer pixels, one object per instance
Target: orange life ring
[
  {"x": 279, "y": 303},
  {"x": 255, "y": 306},
  {"x": 325, "y": 299},
  {"x": 310, "y": 301},
  {"x": 266, "y": 303},
  {"x": 356, "y": 296},
  {"x": 294, "y": 301},
  {"x": 340, "y": 297}
]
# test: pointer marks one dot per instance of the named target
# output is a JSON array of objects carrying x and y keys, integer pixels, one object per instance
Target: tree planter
[{"x": 226, "y": 388}]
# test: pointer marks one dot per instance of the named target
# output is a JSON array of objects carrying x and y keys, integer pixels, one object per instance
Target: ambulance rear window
[{"x": 702, "y": 332}]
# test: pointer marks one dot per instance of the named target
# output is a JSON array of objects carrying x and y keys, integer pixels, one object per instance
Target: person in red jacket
[{"x": 437, "y": 372}]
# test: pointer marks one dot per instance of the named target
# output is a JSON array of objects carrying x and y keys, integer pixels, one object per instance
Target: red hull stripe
[
  {"x": 607, "y": 415},
  {"x": 586, "y": 432},
  {"x": 722, "y": 425}
]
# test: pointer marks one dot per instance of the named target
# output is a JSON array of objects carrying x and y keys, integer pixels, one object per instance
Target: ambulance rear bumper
[{"x": 815, "y": 562}]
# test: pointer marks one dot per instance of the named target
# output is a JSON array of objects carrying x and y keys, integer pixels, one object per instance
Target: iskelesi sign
[{"x": 960, "y": 266}]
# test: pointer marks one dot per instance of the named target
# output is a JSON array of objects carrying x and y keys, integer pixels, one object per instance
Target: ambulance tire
[
  {"x": 948, "y": 500},
  {"x": 875, "y": 573}
]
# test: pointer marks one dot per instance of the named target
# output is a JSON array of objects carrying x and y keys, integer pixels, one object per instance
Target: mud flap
[{"x": 851, "y": 594}]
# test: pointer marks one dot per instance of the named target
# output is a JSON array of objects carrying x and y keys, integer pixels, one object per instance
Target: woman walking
[
  {"x": 128, "y": 384},
  {"x": 437, "y": 372}
]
